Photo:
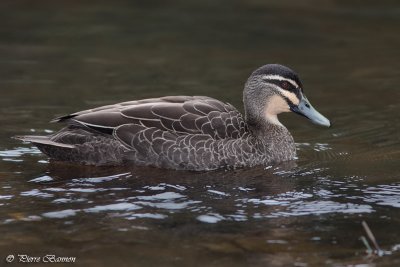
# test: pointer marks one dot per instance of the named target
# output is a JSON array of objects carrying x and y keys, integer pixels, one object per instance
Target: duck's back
[{"x": 180, "y": 132}]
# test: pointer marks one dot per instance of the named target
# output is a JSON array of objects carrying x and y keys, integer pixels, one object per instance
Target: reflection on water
[
  {"x": 137, "y": 194},
  {"x": 281, "y": 210},
  {"x": 57, "y": 58}
]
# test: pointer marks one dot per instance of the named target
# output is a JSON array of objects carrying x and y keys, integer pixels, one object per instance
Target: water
[{"x": 60, "y": 57}]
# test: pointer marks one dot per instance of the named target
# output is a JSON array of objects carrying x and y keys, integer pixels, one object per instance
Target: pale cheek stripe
[
  {"x": 291, "y": 96},
  {"x": 280, "y": 78}
]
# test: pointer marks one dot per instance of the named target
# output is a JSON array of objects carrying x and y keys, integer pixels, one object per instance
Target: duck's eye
[{"x": 285, "y": 85}]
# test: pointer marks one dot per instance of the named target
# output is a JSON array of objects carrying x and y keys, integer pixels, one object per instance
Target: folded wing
[{"x": 171, "y": 117}]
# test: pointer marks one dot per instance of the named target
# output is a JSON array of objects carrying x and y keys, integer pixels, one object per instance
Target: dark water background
[{"x": 58, "y": 57}]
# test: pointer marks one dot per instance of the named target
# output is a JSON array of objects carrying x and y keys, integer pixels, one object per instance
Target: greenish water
[{"x": 58, "y": 57}]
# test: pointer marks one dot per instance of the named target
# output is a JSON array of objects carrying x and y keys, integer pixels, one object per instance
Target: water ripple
[
  {"x": 386, "y": 195},
  {"x": 124, "y": 206},
  {"x": 60, "y": 214},
  {"x": 322, "y": 207}
]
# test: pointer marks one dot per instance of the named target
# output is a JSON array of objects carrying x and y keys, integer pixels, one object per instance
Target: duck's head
[{"x": 273, "y": 89}]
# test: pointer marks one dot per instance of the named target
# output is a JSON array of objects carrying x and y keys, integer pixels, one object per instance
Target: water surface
[{"x": 60, "y": 57}]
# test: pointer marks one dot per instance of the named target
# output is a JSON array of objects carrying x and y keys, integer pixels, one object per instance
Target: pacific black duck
[{"x": 187, "y": 132}]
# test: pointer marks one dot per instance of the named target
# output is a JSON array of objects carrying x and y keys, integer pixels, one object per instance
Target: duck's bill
[{"x": 305, "y": 109}]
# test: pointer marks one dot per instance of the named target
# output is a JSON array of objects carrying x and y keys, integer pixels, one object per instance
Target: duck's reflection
[{"x": 207, "y": 196}]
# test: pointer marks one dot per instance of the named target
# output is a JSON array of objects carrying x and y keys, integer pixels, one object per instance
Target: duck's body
[{"x": 180, "y": 132}]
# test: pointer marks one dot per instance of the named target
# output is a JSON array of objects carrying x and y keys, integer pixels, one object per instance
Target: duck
[{"x": 196, "y": 133}]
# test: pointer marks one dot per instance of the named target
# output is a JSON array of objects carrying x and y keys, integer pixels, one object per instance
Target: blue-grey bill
[{"x": 304, "y": 108}]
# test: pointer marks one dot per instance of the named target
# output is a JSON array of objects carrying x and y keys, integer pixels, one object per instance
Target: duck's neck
[
  {"x": 273, "y": 139},
  {"x": 267, "y": 128}
]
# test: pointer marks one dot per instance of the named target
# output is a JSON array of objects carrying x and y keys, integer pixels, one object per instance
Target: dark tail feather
[
  {"x": 54, "y": 150},
  {"x": 42, "y": 140},
  {"x": 63, "y": 118}
]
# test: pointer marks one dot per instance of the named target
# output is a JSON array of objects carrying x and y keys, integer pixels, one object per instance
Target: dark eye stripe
[{"x": 290, "y": 87}]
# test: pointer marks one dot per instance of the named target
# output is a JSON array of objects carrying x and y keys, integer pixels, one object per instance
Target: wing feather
[{"x": 167, "y": 117}]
